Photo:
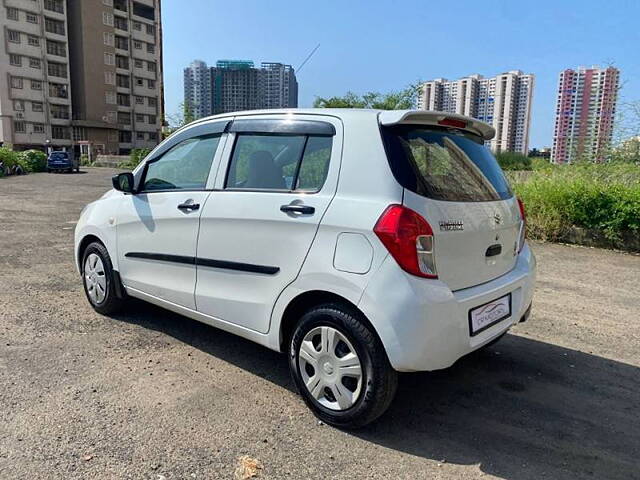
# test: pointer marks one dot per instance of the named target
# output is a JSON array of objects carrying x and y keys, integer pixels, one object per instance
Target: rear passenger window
[
  {"x": 184, "y": 167},
  {"x": 279, "y": 162}
]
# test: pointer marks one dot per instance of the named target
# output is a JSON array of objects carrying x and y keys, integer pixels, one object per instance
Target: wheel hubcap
[
  {"x": 330, "y": 368},
  {"x": 95, "y": 279}
]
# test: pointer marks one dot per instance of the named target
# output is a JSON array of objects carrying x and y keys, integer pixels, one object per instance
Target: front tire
[
  {"x": 340, "y": 367},
  {"x": 99, "y": 280}
]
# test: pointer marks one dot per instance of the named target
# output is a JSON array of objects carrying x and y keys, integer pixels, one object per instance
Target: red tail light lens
[
  {"x": 523, "y": 214},
  {"x": 523, "y": 226},
  {"x": 452, "y": 122},
  {"x": 409, "y": 239}
]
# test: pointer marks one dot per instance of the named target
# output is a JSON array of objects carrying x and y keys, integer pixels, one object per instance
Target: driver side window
[{"x": 184, "y": 167}]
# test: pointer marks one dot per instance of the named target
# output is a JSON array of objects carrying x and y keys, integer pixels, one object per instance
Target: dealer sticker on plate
[{"x": 484, "y": 316}]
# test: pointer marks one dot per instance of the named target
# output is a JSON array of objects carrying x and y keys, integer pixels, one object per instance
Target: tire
[
  {"x": 346, "y": 400},
  {"x": 99, "y": 280}
]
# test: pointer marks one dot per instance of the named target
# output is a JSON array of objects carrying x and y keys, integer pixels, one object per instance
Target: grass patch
[{"x": 601, "y": 197}]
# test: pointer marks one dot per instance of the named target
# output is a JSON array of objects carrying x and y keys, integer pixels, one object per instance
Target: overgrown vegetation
[
  {"x": 16, "y": 163},
  {"x": 513, "y": 161},
  {"x": 600, "y": 197},
  {"x": 135, "y": 157}
]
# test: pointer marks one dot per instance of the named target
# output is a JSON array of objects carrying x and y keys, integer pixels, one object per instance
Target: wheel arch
[
  {"x": 303, "y": 302},
  {"x": 84, "y": 243}
]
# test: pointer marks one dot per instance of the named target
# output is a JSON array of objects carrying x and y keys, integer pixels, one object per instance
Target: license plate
[{"x": 487, "y": 315}]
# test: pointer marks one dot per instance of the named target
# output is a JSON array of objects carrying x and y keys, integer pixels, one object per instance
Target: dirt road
[{"x": 152, "y": 395}]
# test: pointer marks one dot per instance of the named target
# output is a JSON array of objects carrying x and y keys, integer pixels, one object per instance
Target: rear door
[
  {"x": 258, "y": 225},
  {"x": 455, "y": 183}
]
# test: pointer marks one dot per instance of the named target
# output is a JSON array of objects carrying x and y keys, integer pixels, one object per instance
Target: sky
[{"x": 384, "y": 45}]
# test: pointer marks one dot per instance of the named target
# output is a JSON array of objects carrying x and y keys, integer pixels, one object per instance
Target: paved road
[{"x": 150, "y": 394}]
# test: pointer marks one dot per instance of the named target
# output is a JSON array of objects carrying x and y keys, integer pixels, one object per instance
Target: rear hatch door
[{"x": 456, "y": 184}]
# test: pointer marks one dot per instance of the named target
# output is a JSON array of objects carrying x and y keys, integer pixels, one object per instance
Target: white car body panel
[
  {"x": 248, "y": 227},
  {"x": 422, "y": 323}
]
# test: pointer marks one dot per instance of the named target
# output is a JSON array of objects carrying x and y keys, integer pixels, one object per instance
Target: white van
[{"x": 362, "y": 243}]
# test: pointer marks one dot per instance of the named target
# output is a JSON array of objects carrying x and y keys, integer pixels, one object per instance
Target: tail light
[
  {"x": 409, "y": 239},
  {"x": 523, "y": 225}
]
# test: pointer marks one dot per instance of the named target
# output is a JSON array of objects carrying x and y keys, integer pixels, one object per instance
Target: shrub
[
  {"x": 513, "y": 161},
  {"x": 136, "y": 156},
  {"x": 8, "y": 157},
  {"x": 600, "y": 197},
  {"x": 33, "y": 160}
]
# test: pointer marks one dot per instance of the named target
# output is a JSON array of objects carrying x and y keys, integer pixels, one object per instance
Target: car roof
[{"x": 386, "y": 117}]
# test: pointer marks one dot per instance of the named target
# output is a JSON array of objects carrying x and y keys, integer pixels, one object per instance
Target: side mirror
[{"x": 123, "y": 182}]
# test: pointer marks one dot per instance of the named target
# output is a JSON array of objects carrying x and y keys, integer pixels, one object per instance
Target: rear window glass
[
  {"x": 444, "y": 164},
  {"x": 59, "y": 155}
]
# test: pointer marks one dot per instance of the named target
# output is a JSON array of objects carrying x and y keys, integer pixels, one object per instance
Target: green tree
[
  {"x": 184, "y": 117},
  {"x": 397, "y": 100}
]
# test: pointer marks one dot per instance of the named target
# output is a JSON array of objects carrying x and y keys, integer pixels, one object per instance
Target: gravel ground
[{"x": 153, "y": 395}]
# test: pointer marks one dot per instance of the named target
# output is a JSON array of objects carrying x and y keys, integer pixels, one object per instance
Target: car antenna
[{"x": 307, "y": 59}]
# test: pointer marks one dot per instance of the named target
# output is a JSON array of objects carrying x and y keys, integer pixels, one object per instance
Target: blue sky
[{"x": 384, "y": 45}]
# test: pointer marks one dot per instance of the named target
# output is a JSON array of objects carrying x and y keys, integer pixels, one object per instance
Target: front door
[
  {"x": 258, "y": 225},
  {"x": 157, "y": 228}
]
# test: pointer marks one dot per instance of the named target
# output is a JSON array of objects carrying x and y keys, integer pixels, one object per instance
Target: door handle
[
  {"x": 494, "y": 250},
  {"x": 189, "y": 206},
  {"x": 302, "y": 209}
]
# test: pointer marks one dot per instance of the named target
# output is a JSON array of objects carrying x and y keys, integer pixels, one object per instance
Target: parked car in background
[
  {"x": 361, "y": 243},
  {"x": 62, "y": 161}
]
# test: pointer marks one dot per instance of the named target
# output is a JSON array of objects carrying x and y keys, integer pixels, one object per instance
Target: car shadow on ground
[{"x": 520, "y": 409}]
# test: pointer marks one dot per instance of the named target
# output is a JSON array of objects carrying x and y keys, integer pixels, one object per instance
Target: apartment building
[
  {"x": 503, "y": 101},
  {"x": 197, "y": 89},
  {"x": 278, "y": 87},
  {"x": 35, "y": 100},
  {"x": 235, "y": 85},
  {"x": 585, "y": 112},
  {"x": 116, "y": 74}
]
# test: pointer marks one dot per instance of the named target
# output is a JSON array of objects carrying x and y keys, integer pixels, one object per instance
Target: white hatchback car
[{"x": 359, "y": 242}]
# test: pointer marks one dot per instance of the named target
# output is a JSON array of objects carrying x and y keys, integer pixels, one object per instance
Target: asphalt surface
[{"x": 153, "y": 395}]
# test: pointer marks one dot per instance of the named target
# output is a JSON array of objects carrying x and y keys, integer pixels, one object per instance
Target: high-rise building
[
  {"x": 116, "y": 74},
  {"x": 81, "y": 74},
  {"x": 278, "y": 86},
  {"x": 35, "y": 98},
  {"x": 585, "y": 112},
  {"x": 197, "y": 89},
  {"x": 503, "y": 101},
  {"x": 235, "y": 85}
]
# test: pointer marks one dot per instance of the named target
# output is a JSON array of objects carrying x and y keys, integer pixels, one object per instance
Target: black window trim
[
  {"x": 283, "y": 126},
  {"x": 298, "y": 163}
]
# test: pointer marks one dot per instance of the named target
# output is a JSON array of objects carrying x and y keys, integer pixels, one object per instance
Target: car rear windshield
[
  {"x": 444, "y": 164},
  {"x": 59, "y": 155}
]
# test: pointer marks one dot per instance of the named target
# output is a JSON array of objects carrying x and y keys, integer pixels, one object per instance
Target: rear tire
[
  {"x": 99, "y": 280},
  {"x": 340, "y": 367}
]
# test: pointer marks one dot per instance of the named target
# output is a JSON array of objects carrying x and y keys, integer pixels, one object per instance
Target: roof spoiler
[{"x": 428, "y": 117}]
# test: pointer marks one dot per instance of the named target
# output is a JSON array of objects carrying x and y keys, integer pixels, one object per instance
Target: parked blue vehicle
[{"x": 62, "y": 161}]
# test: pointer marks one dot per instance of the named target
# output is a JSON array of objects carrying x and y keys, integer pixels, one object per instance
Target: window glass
[
  {"x": 185, "y": 166},
  {"x": 315, "y": 164},
  {"x": 279, "y": 162},
  {"x": 264, "y": 161},
  {"x": 445, "y": 164}
]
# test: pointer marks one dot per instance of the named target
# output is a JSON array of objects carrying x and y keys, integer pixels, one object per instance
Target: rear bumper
[
  {"x": 60, "y": 166},
  {"x": 424, "y": 325}
]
